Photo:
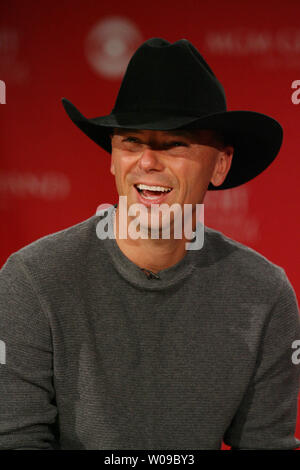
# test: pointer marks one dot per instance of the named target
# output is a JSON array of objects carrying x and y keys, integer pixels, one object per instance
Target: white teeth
[{"x": 153, "y": 188}]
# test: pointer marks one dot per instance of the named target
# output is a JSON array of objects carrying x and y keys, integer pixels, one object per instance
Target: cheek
[
  {"x": 196, "y": 177},
  {"x": 205, "y": 166},
  {"x": 116, "y": 165},
  {"x": 121, "y": 167},
  {"x": 122, "y": 163}
]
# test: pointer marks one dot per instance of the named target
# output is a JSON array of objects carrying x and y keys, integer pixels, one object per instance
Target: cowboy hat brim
[{"x": 256, "y": 138}]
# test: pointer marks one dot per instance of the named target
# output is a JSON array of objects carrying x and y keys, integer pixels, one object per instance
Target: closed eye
[
  {"x": 131, "y": 139},
  {"x": 177, "y": 144}
]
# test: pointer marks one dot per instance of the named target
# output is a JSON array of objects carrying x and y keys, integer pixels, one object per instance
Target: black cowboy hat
[{"x": 170, "y": 86}]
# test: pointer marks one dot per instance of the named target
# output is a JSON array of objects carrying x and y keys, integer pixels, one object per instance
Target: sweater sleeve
[
  {"x": 266, "y": 418},
  {"x": 27, "y": 407}
]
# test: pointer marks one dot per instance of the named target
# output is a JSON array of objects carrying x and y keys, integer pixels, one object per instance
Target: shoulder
[
  {"x": 242, "y": 264},
  {"x": 58, "y": 251}
]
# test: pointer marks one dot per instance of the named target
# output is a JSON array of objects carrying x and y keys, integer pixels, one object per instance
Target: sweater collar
[{"x": 162, "y": 280}]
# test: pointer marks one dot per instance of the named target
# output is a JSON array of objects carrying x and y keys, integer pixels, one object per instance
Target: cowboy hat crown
[{"x": 170, "y": 86}]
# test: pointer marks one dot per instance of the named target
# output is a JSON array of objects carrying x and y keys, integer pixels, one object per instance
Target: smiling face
[{"x": 174, "y": 166}]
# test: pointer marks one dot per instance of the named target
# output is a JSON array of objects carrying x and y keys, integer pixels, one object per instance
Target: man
[
  {"x": 118, "y": 342},
  {"x": 178, "y": 168}
]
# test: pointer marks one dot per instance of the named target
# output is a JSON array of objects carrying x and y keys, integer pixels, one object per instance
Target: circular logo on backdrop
[{"x": 110, "y": 45}]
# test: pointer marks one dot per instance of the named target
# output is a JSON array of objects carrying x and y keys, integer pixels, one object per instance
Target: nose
[{"x": 150, "y": 160}]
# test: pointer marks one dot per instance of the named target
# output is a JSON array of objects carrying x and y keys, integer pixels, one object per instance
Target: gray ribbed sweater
[{"x": 98, "y": 356}]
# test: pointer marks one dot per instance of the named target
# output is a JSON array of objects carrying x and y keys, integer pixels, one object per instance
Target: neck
[{"x": 148, "y": 253}]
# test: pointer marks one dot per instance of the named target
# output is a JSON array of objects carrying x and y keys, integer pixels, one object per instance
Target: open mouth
[{"x": 152, "y": 192}]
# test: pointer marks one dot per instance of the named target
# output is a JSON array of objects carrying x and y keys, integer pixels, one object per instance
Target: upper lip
[{"x": 153, "y": 184}]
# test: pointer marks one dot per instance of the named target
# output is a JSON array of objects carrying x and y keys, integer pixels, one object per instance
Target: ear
[
  {"x": 222, "y": 166},
  {"x": 112, "y": 166}
]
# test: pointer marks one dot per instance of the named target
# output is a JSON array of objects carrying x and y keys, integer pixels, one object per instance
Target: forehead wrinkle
[{"x": 174, "y": 132}]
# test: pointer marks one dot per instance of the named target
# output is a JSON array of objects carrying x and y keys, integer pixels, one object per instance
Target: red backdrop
[{"x": 52, "y": 176}]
